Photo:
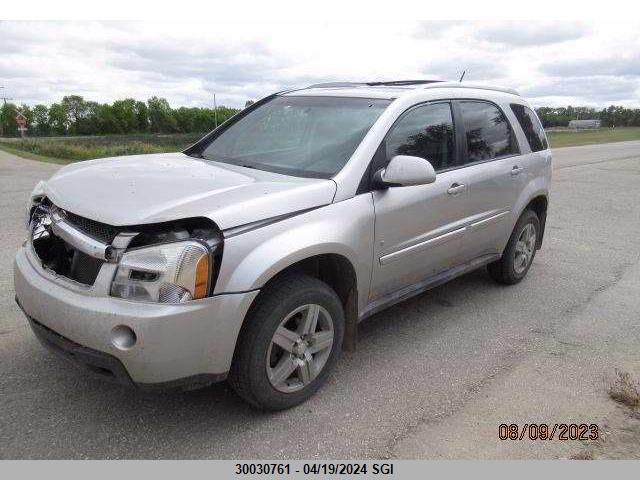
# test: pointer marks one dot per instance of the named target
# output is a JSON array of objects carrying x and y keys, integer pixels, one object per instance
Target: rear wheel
[
  {"x": 291, "y": 340},
  {"x": 519, "y": 252}
]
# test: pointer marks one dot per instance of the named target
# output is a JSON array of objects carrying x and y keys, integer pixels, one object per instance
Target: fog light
[{"x": 122, "y": 337}]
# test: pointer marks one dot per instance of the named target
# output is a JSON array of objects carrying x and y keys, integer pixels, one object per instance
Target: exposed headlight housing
[
  {"x": 35, "y": 199},
  {"x": 166, "y": 273}
]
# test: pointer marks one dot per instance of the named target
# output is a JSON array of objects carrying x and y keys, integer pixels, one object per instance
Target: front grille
[
  {"x": 100, "y": 231},
  {"x": 61, "y": 257}
]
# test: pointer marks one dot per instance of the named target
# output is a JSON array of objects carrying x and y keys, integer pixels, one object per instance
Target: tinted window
[
  {"x": 488, "y": 132},
  {"x": 425, "y": 132},
  {"x": 531, "y": 126},
  {"x": 302, "y": 136}
]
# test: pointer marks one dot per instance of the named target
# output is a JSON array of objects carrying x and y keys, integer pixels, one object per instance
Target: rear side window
[
  {"x": 425, "y": 132},
  {"x": 531, "y": 127},
  {"x": 488, "y": 132}
]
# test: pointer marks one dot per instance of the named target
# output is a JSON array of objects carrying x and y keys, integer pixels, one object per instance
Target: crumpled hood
[{"x": 144, "y": 189}]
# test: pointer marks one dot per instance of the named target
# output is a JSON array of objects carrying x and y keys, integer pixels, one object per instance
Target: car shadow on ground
[
  {"x": 93, "y": 404},
  {"x": 426, "y": 307}
]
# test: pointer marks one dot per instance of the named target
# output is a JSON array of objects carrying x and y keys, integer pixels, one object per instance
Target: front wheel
[
  {"x": 290, "y": 342},
  {"x": 519, "y": 252}
]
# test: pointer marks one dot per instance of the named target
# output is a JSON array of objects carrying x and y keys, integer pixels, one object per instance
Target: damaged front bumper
[{"x": 193, "y": 341}]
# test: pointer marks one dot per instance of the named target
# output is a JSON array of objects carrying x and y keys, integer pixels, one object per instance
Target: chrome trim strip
[
  {"x": 122, "y": 240},
  {"x": 484, "y": 222},
  {"x": 119, "y": 245},
  {"x": 78, "y": 239},
  {"x": 445, "y": 237}
]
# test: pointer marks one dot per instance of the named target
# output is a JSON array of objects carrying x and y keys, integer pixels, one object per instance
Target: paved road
[{"x": 438, "y": 360}]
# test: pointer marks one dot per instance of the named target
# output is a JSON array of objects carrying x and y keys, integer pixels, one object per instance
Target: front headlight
[{"x": 167, "y": 273}]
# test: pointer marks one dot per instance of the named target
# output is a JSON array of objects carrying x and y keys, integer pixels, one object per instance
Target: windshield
[{"x": 300, "y": 136}]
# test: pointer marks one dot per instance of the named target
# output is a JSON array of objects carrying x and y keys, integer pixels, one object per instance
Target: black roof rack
[
  {"x": 336, "y": 84},
  {"x": 390, "y": 83},
  {"x": 402, "y": 82}
]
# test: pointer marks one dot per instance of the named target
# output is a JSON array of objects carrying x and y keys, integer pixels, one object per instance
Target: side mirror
[{"x": 404, "y": 171}]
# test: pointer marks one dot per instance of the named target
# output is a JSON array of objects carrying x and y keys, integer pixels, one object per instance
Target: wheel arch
[
  {"x": 339, "y": 273},
  {"x": 539, "y": 205},
  {"x": 536, "y": 198}
]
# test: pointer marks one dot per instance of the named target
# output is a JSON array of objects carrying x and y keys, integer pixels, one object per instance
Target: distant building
[{"x": 584, "y": 124}]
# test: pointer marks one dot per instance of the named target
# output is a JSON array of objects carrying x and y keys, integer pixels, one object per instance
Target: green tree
[
  {"x": 185, "y": 119},
  {"x": 142, "y": 116},
  {"x": 225, "y": 113},
  {"x": 91, "y": 123},
  {"x": 161, "y": 119},
  {"x": 107, "y": 120},
  {"x": 40, "y": 120},
  {"x": 75, "y": 109},
  {"x": 76, "y": 116},
  {"x": 57, "y": 119},
  {"x": 8, "y": 119},
  {"x": 125, "y": 114}
]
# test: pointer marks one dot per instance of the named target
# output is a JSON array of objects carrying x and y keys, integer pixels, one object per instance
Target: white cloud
[
  {"x": 587, "y": 90},
  {"x": 532, "y": 33},
  {"x": 618, "y": 65},
  {"x": 588, "y": 63}
]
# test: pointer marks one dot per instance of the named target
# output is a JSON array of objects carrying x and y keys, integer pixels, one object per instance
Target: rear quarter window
[{"x": 531, "y": 126}]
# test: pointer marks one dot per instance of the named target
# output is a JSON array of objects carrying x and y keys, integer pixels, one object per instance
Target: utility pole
[{"x": 215, "y": 110}]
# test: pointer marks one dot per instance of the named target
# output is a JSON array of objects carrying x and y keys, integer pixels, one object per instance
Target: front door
[{"x": 419, "y": 229}]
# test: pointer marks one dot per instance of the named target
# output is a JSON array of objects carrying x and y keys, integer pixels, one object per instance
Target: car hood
[{"x": 143, "y": 189}]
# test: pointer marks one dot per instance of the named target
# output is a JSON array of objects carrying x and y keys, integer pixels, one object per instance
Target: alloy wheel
[
  {"x": 525, "y": 248},
  {"x": 300, "y": 348}
]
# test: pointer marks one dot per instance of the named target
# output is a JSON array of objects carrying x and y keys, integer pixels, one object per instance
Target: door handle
[
  {"x": 456, "y": 188},
  {"x": 516, "y": 170}
]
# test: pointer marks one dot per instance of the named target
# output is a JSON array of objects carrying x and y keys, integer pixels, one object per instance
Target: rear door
[
  {"x": 493, "y": 170},
  {"x": 418, "y": 229}
]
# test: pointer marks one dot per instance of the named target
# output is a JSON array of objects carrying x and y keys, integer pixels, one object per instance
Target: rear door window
[
  {"x": 488, "y": 132},
  {"x": 531, "y": 127}
]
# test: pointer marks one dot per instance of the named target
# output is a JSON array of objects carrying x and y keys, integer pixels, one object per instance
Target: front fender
[{"x": 345, "y": 228}]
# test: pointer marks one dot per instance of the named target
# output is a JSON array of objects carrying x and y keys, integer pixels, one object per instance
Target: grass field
[
  {"x": 571, "y": 138},
  {"x": 71, "y": 149}
]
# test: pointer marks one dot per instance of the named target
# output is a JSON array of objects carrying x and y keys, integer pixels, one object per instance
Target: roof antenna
[{"x": 462, "y": 76}]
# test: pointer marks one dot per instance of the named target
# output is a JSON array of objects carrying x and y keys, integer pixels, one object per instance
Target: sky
[{"x": 551, "y": 63}]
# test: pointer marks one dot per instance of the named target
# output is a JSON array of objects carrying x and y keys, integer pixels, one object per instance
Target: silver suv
[{"x": 253, "y": 254}]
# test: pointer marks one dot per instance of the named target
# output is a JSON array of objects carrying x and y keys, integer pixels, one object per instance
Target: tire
[
  {"x": 510, "y": 269},
  {"x": 262, "y": 358}
]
